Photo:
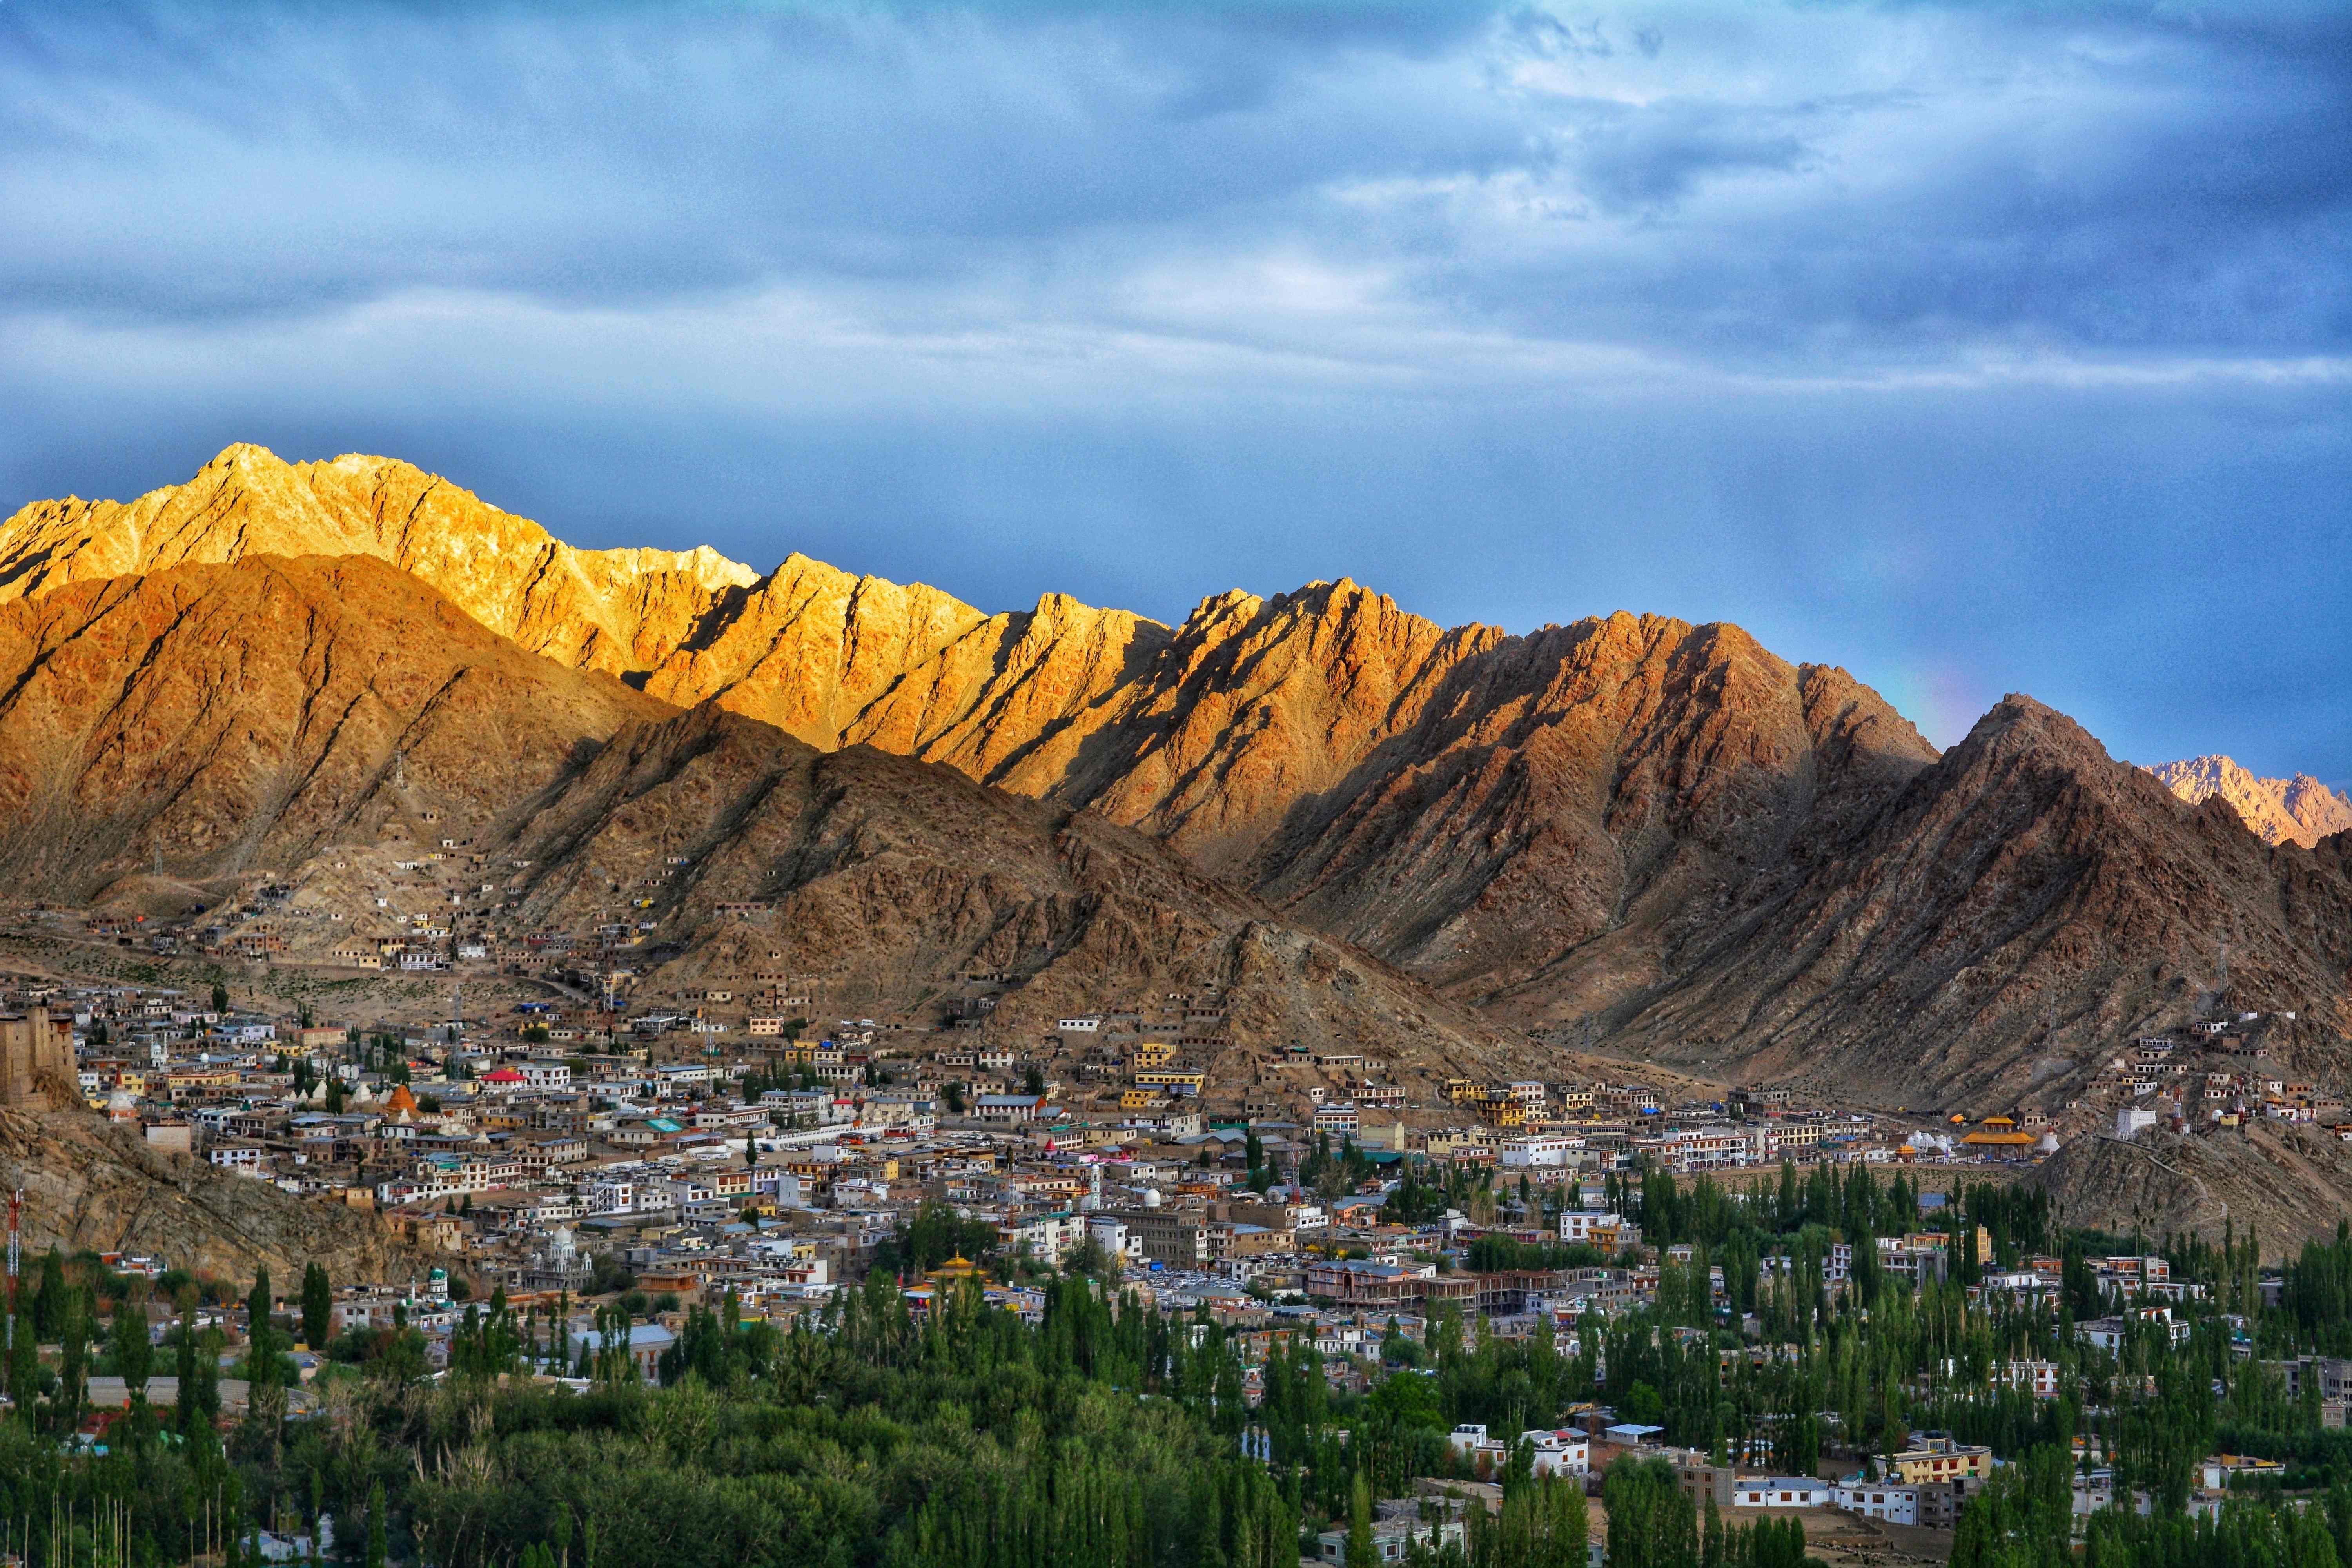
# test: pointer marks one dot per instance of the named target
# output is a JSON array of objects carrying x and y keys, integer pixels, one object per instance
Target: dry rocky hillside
[
  {"x": 208, "y": 718},
  {"x": 89, "y": 1185},
  {"x": 322, "y": 717},
  {"x": 2004, "y": 924},
  {"x": 894, "y": 879},
  {"x": 1629, "y": 834},
  {"x": 2290, "y": 1184},
  {"x": 2300, "y": 810}
]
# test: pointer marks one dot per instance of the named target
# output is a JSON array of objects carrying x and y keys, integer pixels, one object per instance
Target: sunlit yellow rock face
[
  {"x": 2300, "y": 810},
  {"x": 614, "y": 610}
]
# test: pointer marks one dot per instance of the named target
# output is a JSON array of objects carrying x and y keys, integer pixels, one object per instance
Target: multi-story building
[
  {"x": 1176, "y": 1237},
  {"x": 1889, "y": 1500},
  {"x": 1940, "y": 1460}
]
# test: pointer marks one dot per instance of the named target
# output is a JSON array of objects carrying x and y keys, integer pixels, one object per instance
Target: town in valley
[{"x": 565, "y": 1144}]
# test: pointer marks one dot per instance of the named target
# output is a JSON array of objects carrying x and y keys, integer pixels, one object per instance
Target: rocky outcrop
[
  {"x": 833, "y": 660},
  {"x": 88, "y": 1184},
  {"x": 1567, "y": 807},
  {"x": 2300, "y": 810},
  {"x": 211, "y": 718},
  {"x": 2279, "y": 1183}
]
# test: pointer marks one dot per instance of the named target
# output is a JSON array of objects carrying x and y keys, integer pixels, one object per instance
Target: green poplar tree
[
  {"x": 48, "y": 1313},
  {"x": 73, "y": 1368},
  {"x": 318, "y": 1307},
  {"x": 1361, "y": 1553},
  {"x": 377, "y": 1548},
  {"x": 24, "y": 1367},
  {"x": 184, "y": 1363},
  {"x": 134, "y": 1353},
  {"x": 261, "y": 1354}
]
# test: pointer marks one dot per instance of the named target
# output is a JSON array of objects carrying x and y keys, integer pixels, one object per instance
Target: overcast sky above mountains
[{"x": 1973, "y": 348}]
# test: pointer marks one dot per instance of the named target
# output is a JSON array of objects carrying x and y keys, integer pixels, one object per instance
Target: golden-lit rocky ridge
[
  {"x": 319, "y": 718},
  {"x": 1628, "y": 832},
  {"x": 2300, "y": 810},
  {"x": 611, "y": 610}
]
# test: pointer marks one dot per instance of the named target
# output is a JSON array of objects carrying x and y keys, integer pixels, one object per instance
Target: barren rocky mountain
[
  {"x": 1514, "y": 817},
  {"x": 2005, "y": 921},
  {"x": 299, "y": 714},
  {"x": 886, "y": 880},
  {"x": 1628, "y": 833},
  {"x": 611, "y": 610},
  {"x": 2300, "y": 810},
  {"x": 207, "y": 718}
]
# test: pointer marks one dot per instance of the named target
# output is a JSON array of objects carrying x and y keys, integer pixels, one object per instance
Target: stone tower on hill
[{"x": 36, "y": 1057}]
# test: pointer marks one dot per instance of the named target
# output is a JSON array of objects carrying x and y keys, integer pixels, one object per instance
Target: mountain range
[
  {"x": 2298, "y": 810},
  {"x": 1626, "y": 835}
]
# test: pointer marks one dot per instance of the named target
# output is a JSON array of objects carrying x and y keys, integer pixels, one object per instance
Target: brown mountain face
[
  {"x": 1628, "y": 832},
  {"x": 284, "y": 713},
  {"x": 1522, "y": 819},
  {"x": 891, "y": 879},
  {"x": 1566, "y": 806},
  {"x": 2007, "y": 920},
  {"x": 221, "y": 716},
  {"x": 2300, "y": 810}
]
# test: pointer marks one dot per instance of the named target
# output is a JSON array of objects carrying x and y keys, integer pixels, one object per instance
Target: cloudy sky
[{"x": 1975, "y": 348}]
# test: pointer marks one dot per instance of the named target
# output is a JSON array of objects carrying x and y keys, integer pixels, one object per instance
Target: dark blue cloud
[{"x": 1977, "y": 348}]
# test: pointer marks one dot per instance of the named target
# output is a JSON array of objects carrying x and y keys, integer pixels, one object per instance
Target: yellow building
[{"x": 1942, "y": 1461}]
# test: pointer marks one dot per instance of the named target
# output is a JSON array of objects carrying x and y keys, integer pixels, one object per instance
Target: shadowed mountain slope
[{"x": 2013, "y": 917}]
